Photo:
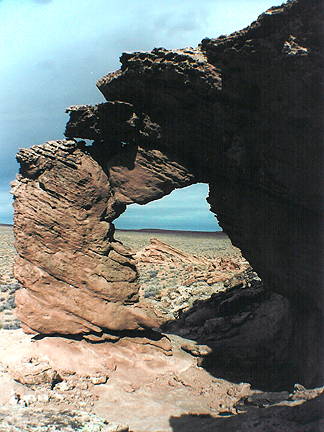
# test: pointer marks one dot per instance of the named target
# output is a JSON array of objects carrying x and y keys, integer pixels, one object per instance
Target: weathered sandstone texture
[
  {"x": 77, "y": 278},
  {"x": 243, "y": 113}
]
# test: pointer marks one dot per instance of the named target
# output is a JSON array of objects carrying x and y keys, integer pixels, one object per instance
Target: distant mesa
[{"x": 178, "y": 232}]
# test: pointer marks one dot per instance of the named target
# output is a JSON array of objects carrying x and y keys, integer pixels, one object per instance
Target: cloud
[
  {"x": 174, "y": 22},
  {"x": 43, "y": 2}
]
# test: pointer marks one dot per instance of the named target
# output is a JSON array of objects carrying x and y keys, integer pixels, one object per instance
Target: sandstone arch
[{"x": 173, "y": 118}]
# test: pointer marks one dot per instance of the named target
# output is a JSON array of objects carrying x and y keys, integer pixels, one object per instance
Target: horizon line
[{"x": 152, "y": 230}]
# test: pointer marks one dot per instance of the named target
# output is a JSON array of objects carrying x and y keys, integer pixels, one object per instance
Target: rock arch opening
[{"x": 183, "y": 209}]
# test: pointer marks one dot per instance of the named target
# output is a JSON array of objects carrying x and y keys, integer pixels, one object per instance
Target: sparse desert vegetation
[{"x": 8, "y": 285}]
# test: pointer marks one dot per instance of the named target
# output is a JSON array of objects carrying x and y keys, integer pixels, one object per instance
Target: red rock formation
[
  {"x": 242, "y": 113},
  {"x": 160, "y": 252},
  {"x": 73, "y": 271}
]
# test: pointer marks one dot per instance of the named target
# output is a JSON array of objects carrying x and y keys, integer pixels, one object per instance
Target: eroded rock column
[{"x": 76, "y": 277}]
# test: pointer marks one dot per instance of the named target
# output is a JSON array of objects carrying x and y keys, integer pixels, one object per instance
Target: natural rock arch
[{"x": 242, "y": 113}]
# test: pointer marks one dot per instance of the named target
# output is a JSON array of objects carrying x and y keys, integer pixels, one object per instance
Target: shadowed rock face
[{"x": 242, "y": 113}]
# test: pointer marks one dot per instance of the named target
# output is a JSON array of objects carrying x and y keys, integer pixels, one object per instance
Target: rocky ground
[
  {"x": 195, "y": 243},
  {"x": 151, "y": 383},
  {"x": 174, "y": 277}
]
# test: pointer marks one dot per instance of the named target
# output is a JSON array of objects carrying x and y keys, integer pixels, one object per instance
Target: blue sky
[
  {"x": 184, "y": 209},
  {"x": 54, "y": 51}
]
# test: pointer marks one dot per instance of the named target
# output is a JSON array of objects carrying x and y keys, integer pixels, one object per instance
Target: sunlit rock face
[
  {"x": 77, "y": 278},
  {"x": 242, "y": 113}
]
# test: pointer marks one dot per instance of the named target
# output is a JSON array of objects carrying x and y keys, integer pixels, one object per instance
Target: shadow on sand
[
  {"x": 306, "y": 417},
  {"x": 249, "y": 331}
]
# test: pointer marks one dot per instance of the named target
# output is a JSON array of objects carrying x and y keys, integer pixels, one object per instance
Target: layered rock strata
[
  {"x": 242, "y": 113},
  {"x": 77, "y": 278}
]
